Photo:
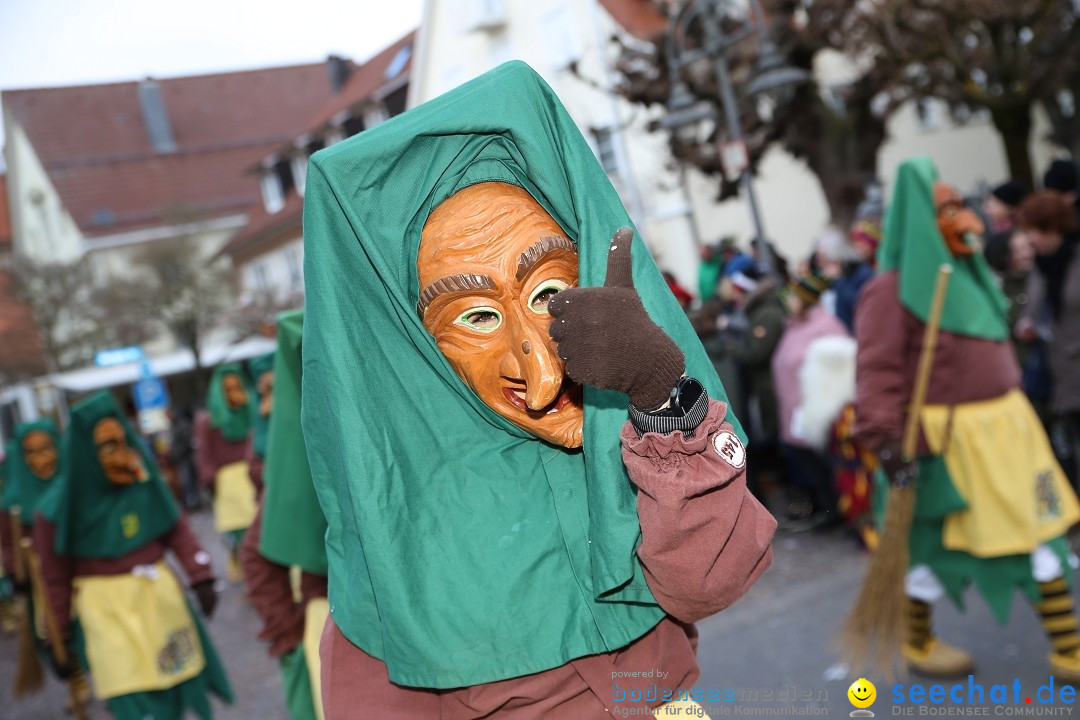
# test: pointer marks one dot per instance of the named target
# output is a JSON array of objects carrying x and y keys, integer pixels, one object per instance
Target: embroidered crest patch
[{"x": 730, "y": 448}]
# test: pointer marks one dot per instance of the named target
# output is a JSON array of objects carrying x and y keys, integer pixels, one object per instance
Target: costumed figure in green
[
  {"x": 992, "y": 505},
  {"x": 284, "y": 552},
  {"x": 102, "y": 532},
  {"x": 222, "y": 439},
  {"x": 524, "y": 456}
]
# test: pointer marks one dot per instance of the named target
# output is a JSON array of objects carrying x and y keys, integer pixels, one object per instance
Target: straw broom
[
  {"x": 52, "y": 627},
  {"x": 29, "y": 677},
  {"x": 873, "y": 631}
]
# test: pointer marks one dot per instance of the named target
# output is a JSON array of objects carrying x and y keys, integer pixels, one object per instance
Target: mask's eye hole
[
  {"x": 482, "y": 319},
  {"x": 541, "y": 296}
]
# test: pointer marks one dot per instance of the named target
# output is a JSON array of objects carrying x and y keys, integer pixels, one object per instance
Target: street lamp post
[{"x": 772, "y": 75}]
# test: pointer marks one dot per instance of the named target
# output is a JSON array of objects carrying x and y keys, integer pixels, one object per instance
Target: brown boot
[
  {"x": 1059, "y": 620},
  {"x": 926, "y": 654}
]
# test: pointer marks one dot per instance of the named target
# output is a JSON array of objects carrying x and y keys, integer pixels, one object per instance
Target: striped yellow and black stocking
[
  {"x": 1059, "y": 616},
  {"x": 918, "y": 623}
]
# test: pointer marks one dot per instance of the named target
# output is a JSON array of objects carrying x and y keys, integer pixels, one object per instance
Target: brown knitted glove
[{"x": 607, "y": 339}]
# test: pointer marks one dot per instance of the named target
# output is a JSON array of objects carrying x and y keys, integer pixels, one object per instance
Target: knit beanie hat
[
  {"x": 866, "y": 232},
  {"x": 1011, "y": 193},
  {"x": 809, "y": 288},
  {"x": 1061, "y": 176}
]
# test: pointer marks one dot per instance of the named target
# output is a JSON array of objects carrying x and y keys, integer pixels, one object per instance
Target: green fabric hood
[
  {"x": 293, "y": 524},
  {"x": 93, "y": 518},
  {"x": 21, "y": 486},
  {"x": 233, "y": 423},
  {"x": 259, "y": 424},
  {"x": 463, "y": 550},
  {"x": 914, "y": 247}
]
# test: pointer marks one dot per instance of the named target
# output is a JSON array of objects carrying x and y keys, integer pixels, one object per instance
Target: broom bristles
[
  {"x": 874, "y": 630},
  {"x": 29, "y": 676}
]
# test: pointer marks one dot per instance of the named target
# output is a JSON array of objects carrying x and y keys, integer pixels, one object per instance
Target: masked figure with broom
[
  {"x": 102, "y": 533},
  {"x": 32, "y": 466},
  {"x": 990, "y": 503}
]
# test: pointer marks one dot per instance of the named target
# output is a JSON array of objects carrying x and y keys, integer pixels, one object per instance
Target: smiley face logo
[{"x": 862, "y": 693}]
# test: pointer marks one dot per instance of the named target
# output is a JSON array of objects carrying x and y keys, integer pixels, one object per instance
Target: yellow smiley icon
[{"x": 862, "y": 693}]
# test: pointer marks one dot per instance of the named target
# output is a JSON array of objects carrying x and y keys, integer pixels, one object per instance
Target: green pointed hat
[
  {"x": 914, "y": 246},
  {"x": 294, "y": 527},
  {"x": 259, "y": 424},
  {"x": 94, "y": 518},
  {"x": 22, "y": 488},
  {"x": 234, "y": 423},
  {"x": 462, "y": 549}
]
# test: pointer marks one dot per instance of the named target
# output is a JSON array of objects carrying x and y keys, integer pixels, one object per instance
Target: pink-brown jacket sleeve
[
  {"x": 269, "y": 589},
  {"x": 189, "y": 552},
  {"x": 204, "y": 450},
  {"x": 57, "y": 572},
  {"x": 705, "y": 538},
  {"x": 881, "y": 391}
]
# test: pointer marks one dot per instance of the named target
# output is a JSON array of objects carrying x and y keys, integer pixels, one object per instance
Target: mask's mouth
[{"x": 516, "y": 395}]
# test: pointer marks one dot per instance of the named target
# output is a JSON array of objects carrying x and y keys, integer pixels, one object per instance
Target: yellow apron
[
  {"x": 234, "y": 498},
  {"x": 315, "y": 619},
  {"x": 140, "y": 635},
  {"x": 1001, "y": 463}
]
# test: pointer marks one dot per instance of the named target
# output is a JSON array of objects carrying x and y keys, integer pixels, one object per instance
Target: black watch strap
[{"x": 687, "y": 409}]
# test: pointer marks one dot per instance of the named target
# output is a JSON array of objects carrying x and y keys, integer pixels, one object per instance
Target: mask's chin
[{"x": 560, "y": 423}]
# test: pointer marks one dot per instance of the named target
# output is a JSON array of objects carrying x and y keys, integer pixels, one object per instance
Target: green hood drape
[
  {"x": 259, "y": 424},
  {"x": 94, "y": 518},
  {"x": 294, "y": 527},
  {"x": 913, "y": 246},
  {"x": 234, "y": 423},
  {"x": 21, "y": 486},
  {"x": 462, "y": 549}
]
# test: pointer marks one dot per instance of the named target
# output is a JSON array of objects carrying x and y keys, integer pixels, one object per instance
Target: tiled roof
[
  {"x": 21, "y": 350},
  {"x": 5, "y": 216},
  {"x": 94, "y": 143},
  {"x": 640, "y": 18},
  {"x": 389, "y": 68},
  {"x": 264, "y": 227},
  {"x": 366, "y": 80}
]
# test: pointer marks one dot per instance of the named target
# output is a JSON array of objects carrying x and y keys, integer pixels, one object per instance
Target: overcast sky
[{"x": 72, "y": 42}]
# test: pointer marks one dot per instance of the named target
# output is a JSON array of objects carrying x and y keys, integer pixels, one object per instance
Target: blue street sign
[
  {"x": 118, "y": 356},
  {"x": 150, "y": 392}
]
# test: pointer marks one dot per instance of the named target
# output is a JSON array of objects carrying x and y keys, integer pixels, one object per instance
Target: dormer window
[
  {"x": 273, "y": 197},
  {"x": 375, "y": 114},
  {"x": 299, "y": 172}
]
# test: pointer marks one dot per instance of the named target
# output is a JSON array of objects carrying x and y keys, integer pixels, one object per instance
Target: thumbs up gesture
[{"x": 608, "y": 340}]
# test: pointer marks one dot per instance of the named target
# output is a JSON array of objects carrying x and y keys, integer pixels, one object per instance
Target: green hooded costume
[
  {"x": 22, "y": 488},
  {"x": 259, "y": 424},
  {"x": 914, "y": 247},
  {"x": 462, "y": 549},
  {"x": 233, "y": 423},
  {"x": 91, "y": 516},
  {"x": 974, "y": 307},
  {"x": 294, "y": 527}
]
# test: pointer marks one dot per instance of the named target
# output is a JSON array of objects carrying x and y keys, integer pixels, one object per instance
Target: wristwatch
[{"x": 687, "y": 406}]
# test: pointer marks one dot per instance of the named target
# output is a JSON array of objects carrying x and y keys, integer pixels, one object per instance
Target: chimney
[
  {"x": 156, "y": 116},
  {"x": 338, "y": 69}
]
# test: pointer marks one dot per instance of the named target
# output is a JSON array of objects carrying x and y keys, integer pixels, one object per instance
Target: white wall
[
  {"x": 547, "y": 34},
  {"x": 43, "y": 230},
  {"x": 277, "y": 275}
]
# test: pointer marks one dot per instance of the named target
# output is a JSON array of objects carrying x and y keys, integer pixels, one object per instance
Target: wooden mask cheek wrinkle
[{"x": 483, "y": 231}]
